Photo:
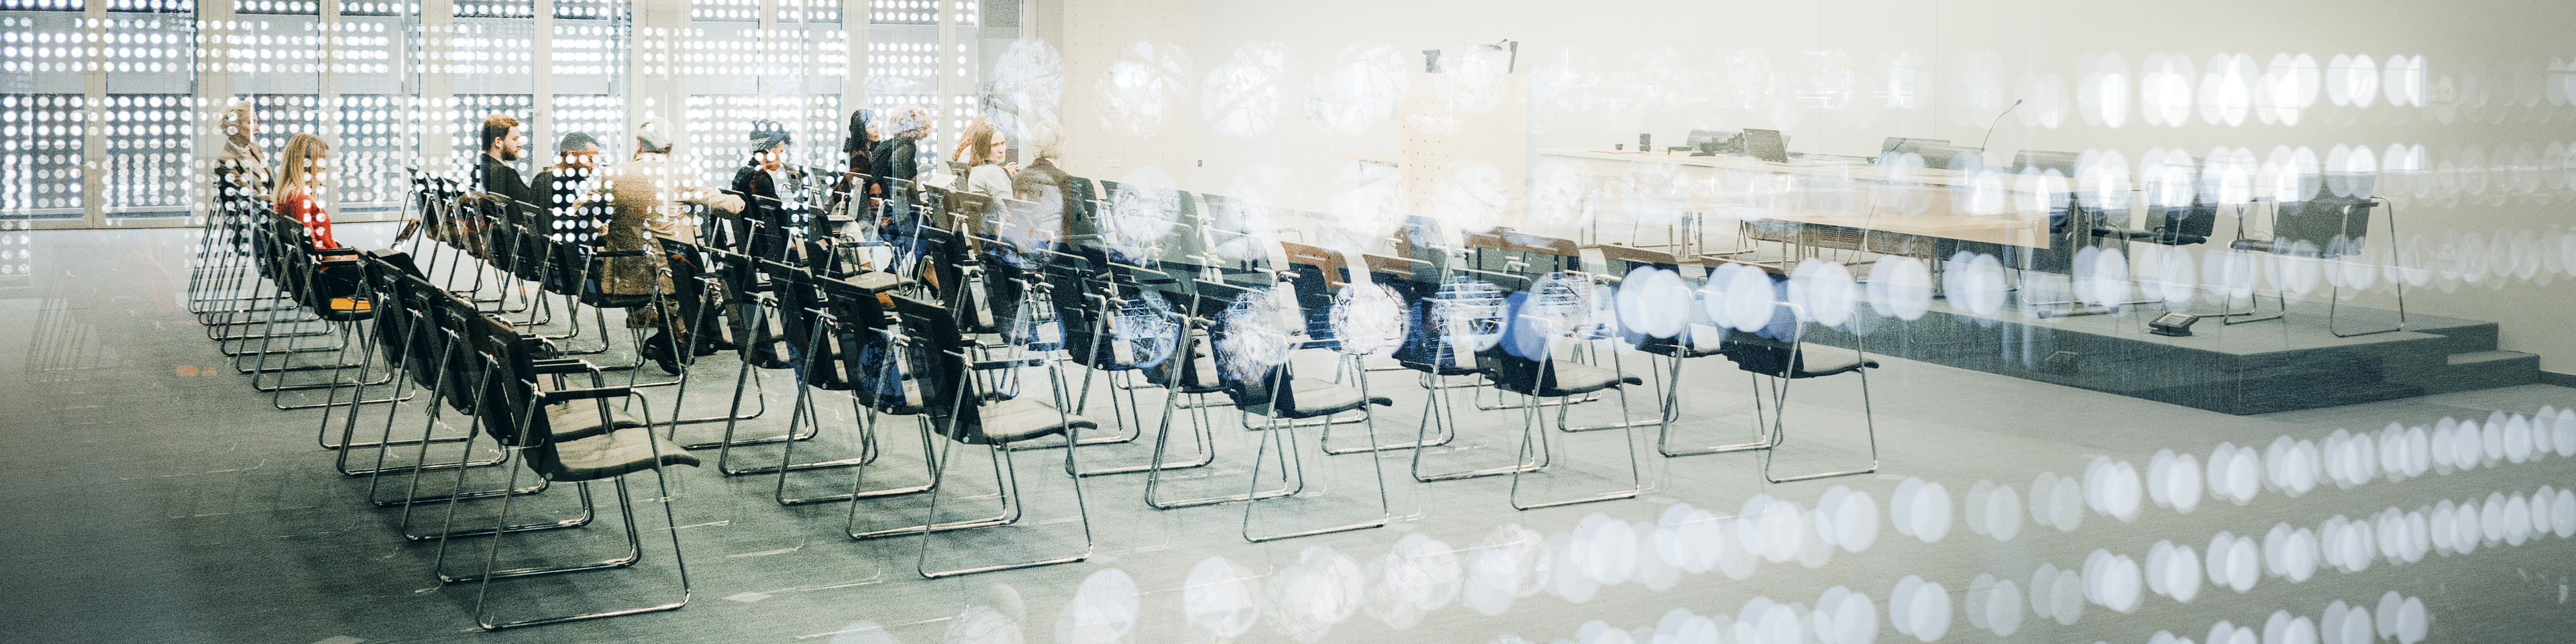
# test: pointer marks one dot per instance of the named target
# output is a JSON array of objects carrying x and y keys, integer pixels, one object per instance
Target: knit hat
[{"x": 767, "y": 135}]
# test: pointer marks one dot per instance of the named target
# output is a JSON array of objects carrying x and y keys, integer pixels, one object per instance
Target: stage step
[
  {"x": 2263, "y": 367},
  {"x": 2486, "y": 370},
  {"x": 2458, "y": 336}
]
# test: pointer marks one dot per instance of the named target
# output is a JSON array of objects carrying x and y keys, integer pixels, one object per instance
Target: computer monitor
[
  {"x": 1766, "y": 145},
  {"x": 1946, "y": 157},
  {"x": 1904, "y": 145},
  {"x": 2042, "y": 161}
]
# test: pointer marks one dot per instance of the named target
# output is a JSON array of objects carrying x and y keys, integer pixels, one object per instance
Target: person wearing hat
[
  {"x": 767, "y": 183},
  {"x": 646, "y": 196}
]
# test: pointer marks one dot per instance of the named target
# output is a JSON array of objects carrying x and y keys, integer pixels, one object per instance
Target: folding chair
[
  {"x": 933, "y": 356},
  {"x": 1696, "y": 341},
  {"x": 1778, "y": 349},
  {"x": 1526, "y": 362},
  {"x": 569, "y": 435},
  {"x": 850, "y": 351}
]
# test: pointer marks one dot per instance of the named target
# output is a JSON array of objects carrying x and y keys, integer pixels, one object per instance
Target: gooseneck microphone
[{"x": 1999, "y": 120}]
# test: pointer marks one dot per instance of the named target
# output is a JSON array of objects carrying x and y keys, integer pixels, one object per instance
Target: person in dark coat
[
  {"x": 898, "y": 162},
  {"x": 850, "y": 194},
  {"x": 503, "y": 141},
  {"x": 767, "y": 185}
]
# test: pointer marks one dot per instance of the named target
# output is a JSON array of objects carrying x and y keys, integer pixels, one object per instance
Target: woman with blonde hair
[{"x": 298, "y": 182}]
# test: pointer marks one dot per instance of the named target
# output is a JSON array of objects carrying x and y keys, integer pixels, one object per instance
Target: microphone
[{"x": 1999, "y": 120}]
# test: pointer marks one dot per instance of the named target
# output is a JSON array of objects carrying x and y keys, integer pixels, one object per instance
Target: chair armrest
[
  {"x": 620, "y": 253},
  {"x": 612, "y": 391},
  {"x": 568, "y": 365}
]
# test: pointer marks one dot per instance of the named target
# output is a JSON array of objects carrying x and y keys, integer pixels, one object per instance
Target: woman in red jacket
[{"x": 299, "y": 179}]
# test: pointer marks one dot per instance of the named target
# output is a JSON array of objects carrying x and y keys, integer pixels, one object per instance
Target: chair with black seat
[
  {"x": 1452, "y": 321},
  {"x": 224, "y": 247},
  {"x": 1255, "y": 332},
  {"x": 2333, "y": 222},
  {"x": 934, "y": 358},
  {"x": 443, "y": 357},
  {"x": 807, "y": 302},
  {"x": 1545, "y": 261},
  {"x": 1114, "y": 327},
  {"x": 327, "y": 285},
  {"x": 1779, "y": 350},
  {"x": 270, "y": 303},
  {"x": 753, "y": 287},
  {"x": 1396, "y": 337},
  {"x": 1694, "y": 341},
  {"x": 391, "y": 286},
  {"x": 1543, "y": 314},
  {"x": 568, "y": 435},
  {"x": 848, "y": 351}
]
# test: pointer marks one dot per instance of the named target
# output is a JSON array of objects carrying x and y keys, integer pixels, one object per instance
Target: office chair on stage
[{"x": 2322, "y": 228}]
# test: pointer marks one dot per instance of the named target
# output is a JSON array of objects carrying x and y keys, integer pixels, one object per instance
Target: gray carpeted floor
[{"x": 152, "y": 496}]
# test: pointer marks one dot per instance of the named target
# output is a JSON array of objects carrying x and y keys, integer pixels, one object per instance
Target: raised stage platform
[{"x": 2251, "y": 368}]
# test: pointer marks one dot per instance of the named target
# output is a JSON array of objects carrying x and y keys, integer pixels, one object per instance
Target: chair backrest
[
  {"x": 739, "y": 272},
  {"x": 2333, "y": 225},
  {"x": 1496, "y": 251},
  {"x": 799, "y": 297},
  {"x": 1318, "y": 274},
  {"x": 857, "y": 326},
  {"x": 1426, "y": 348},
  {"x": 450, "y": 323},
  {"x": 1084, "y": 222},
  {"x": 509, "y": 375},
  {"x": 934, "y": 357},
  {"x": 1250, "y": 351},
  {"x": 1521, "y": 360},
  {"x": 388, "y": 286}
]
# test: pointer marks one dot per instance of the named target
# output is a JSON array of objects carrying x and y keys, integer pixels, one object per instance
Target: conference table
[{"x": 1844, "y": 202}]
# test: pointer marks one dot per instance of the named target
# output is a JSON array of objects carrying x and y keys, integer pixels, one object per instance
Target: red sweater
[{"x": 317, "y": 224}]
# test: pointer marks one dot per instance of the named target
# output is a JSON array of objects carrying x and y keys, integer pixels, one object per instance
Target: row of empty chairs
[{"x": 996, "y": 331}]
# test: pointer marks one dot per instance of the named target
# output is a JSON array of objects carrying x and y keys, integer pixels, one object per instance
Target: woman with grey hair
[{"x": 1052, "y": 220}]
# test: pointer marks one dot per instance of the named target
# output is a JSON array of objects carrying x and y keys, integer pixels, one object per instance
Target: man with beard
[{"x": 503, "y": 140}]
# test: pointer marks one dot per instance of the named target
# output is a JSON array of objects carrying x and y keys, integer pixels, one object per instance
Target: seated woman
[
  {"x": 298, "y": 181},
  {"x": 299, "y": 185},
  {"x": 767, "y": 183},
  {"x": 980, "y": 153}
]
